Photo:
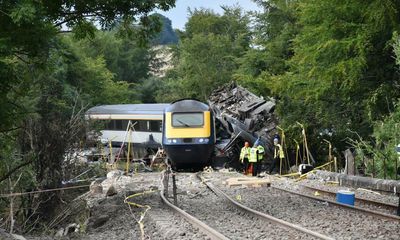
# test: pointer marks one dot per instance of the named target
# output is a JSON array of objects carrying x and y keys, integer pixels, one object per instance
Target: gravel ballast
[
  {"x": 202, "y": 203},
  {"x": 337, "y": 222}
]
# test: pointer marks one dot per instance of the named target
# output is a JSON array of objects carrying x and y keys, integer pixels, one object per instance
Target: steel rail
[
  {"x": 355, "y": 208},
  {"x": 209, "y": 231},
  {"x": 261, "y": 215},
  {"x": 367, "y": 201}
]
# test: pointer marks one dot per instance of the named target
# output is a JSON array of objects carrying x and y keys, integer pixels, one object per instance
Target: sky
[{"x": 179, "y": 14}]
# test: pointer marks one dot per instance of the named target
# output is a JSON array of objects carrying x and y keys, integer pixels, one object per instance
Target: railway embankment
[{"x": 130, "y": 207}]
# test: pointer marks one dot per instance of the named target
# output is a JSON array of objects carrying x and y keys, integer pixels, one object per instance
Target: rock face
[{"x": 243, "y": 116}]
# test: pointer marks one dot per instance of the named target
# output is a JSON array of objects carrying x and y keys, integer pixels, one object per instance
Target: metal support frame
[
  {"x": 166, "y": 181},
  {"x": 398, "y": 208},
  {"x": 297, "y": 153},
  {"x": 329, "y": 153},
  {"x": 174, "y": 189},
  {"x": 282, "y": 149},
  {"x": 169, "y": 172},
  {"x": 305, "y": 145}
]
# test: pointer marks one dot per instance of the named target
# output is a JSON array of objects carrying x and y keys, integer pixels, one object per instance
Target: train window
[
  {"x": 109, "y": 125},
  {"x": 118, "y": 124},
  {"x": 155, "y": 126},
  {"x": 135, "y": 124},
  {"x": 187, "y": 119},
  {"x": 138, "y": 125},
  {"x": 124, "y": 124},
  {"x": 142, "y": 127}
]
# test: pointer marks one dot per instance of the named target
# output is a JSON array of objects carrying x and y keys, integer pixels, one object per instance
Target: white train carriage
[{"x": 147, "y": 120}]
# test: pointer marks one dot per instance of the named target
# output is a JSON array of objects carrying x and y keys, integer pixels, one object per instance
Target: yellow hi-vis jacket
[
  {"x": 256, "y": 154},
  {"x": 244, "y": 153},
  {"x": 261, "y": 151},
  {"x": 278, "y": 151},
  {"x": 253, "y": 155}
]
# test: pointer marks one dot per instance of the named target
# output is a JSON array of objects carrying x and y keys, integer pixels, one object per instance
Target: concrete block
[{"x": 359, "y": 181}]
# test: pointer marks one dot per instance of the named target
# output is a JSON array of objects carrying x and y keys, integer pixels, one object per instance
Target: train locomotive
[{"x": 188, "y": 134}]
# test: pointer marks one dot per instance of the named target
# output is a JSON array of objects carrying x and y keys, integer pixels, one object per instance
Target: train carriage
[
  {"x": 188, "y": 134},
  {"x": 146, "y": 120}
]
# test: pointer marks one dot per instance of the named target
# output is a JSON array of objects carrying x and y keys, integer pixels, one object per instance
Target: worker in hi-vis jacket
[{"x": 244, "y": 156}]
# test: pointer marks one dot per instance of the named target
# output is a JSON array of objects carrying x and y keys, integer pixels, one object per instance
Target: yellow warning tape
[
  {"x": 136, "y": 195},
  {"x": 142, "y": 214},
  {"x": 319, "y": 167},
  {"x": 302, "y": 176}
]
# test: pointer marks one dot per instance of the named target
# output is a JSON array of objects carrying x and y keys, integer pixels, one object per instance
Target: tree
[
  {"x": 41, "y": 78},
  {"x": 123, "y": 56},
  {"x": 207, "y": 54},
  {"x": 341, "y": 71},
  {"x": 28, "y": 28},
  {"x": 273, "y": 32},
  {"x": 378, "y": 154}
]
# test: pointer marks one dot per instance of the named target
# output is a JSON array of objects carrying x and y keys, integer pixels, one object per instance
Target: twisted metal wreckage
[{"x": 242, "y": 116}]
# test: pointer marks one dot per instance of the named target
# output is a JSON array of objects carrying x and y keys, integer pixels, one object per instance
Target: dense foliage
[
  {"x": 332, "y": 66},
  {"x": 207, "y": 54},
  {"x": 379, "y": 154},
  {"x": 54, "y": 63},
  {"x": 342, "y": 75}
]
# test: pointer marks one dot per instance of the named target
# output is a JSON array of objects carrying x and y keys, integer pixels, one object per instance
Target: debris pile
[{"x": 243, "y": 116}]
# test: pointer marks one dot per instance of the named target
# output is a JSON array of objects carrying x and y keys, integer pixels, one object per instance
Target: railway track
[
  {"x": 361, "y": 203},
  {"x": 333, "y": 202},
  {"x": 209, "y": 231},
  {"x": 320, "y": 216},
  {"x": 233, "y": 220},
  {"x": 262, "y": 216}
]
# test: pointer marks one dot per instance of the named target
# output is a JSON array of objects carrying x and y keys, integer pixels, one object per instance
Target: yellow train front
[{"x": 188, "y": 134}]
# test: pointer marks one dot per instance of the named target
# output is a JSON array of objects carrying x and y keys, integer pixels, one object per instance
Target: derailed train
[
  {"x": 188, "y": 129},
  {"x": 188, "y": 134}
]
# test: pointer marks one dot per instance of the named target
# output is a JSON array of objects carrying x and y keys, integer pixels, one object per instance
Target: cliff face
[{"x": 162, "y": 61}]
